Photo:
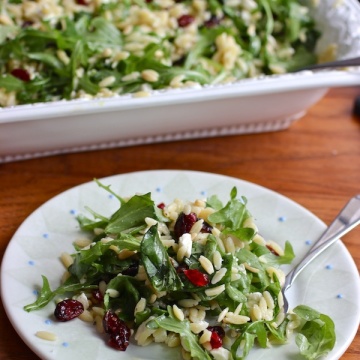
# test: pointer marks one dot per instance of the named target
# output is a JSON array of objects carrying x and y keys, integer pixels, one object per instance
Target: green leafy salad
[
  {"x": 55, "y": 49},
  {"x": 193, "y": 275}
]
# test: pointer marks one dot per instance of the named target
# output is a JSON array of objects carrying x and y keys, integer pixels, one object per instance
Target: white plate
[
  {"x": 263, "y": 104},
  {"x": 330, "y": 285}
]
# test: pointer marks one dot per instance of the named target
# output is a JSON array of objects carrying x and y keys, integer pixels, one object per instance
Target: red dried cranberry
[
  {"x": 212, "y": 22},
  {"x": 185, "y": 20},
  {"x": 118, "y": 331},
  {"x": 21, "y": 74},
  {"x": 120, "y": 341},
  {"x": 206, "y": 228},
  {"x": 272, "y": 250},
  {"x": 97, "y": 295},
  {"x": 215, "y": 340},
  {"x": 110, "y": 322},
  {"x": 217, "y": 334},
  {"x": 82, "y": 2},
  {"x": 68, "y": 309},
  {"x": 161, "y": 206},
  {"x": 183, "y": 224},
  {"x": 196, "y": 277}
]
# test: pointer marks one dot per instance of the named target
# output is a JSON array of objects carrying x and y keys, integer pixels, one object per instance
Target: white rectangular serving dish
[{"x": 254, "y": 105}]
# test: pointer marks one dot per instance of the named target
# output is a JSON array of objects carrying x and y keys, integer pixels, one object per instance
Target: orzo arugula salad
[
  {"x": 67, "y": 49},
  {"x": 194, "y": 275}
]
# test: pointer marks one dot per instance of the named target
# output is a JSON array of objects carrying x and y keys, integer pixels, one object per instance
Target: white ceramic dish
[
  {"x": 249, "y": 106},
  {"x": 50, "y": 230}
]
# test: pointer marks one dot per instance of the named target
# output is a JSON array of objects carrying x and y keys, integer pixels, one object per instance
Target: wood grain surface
[{"x": 316, "y": 162}]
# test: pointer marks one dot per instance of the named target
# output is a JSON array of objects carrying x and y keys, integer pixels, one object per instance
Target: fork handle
[
  {"x": 333, "y": 64},
  {"x": 346, "y": 220}
]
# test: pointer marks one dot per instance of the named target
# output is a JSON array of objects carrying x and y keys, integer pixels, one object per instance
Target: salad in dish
[
  {"x": 194, "y": 275},
  {"x": 67, "y": 49}
]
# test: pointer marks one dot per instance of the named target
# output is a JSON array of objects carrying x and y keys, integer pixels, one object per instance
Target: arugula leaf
[
  {"x": 48, "y": 59},
  {"x": 244, "y": 234},
  {"x": 108, "y": 189},
  {"x": 233, "y": 214},
  {"x": 214, "y": 202},
  {"x": 131, "y": 291},
  {"x": 87, "y": 224},
  {"x": 46, "y": 294},
  {"x": 90, "y": 262},
  {"x": 317, "y": 336},
  {"x": 271, "y": 259},
  {"x": 241, "y": 347},
  {"x": 103, "y": 34},
  {"x": 132, "y": 214},
  {"x": 11, "y": 83},
  {"x": 156, "y": 261},
  {"x": 44, "y": 297},
  {"x": 235, "y": 294}
]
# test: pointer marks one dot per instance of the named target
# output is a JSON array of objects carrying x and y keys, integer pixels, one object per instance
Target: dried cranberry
[
  {"x": 118, "y": 331},
  {"x": 213, "y": 21},
  {"x": 21, "y": 74},
  {"x": 97, "y": 296},
  {"x": 206, "y": 227},
  {"x": 82, "y": 2},
  {"x": 196, "y": 277},
  {"x": 218, "y": 329},
  {"x": 68, "y": 309},
  {"x": 132, "y": 270},
  {"x": 273, "y": 251},
  {"x": 27, "y": 23},
  {"x": 215, "y": 340},
  {"x": 161, "y": 206},
  {"x": 185, "y": 20},
  {"x": 181, "y": 268},
  {"x": 110, "y": 322},
  {"x": 120, "y": 341},
  {"x": 183, "y": 224},
  {"x": 217, "y": 334}
]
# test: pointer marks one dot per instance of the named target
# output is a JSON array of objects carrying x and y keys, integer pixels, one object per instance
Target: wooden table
[{"x": 316, "y": 162}]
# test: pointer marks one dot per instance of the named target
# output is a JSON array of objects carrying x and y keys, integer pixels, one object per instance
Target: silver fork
[
  {"x": 332, "y": 64},
  {"x": 346, "y": 220}
]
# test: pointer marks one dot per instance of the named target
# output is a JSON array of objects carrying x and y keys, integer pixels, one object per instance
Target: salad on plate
[{"x": 196, "y": 275}]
